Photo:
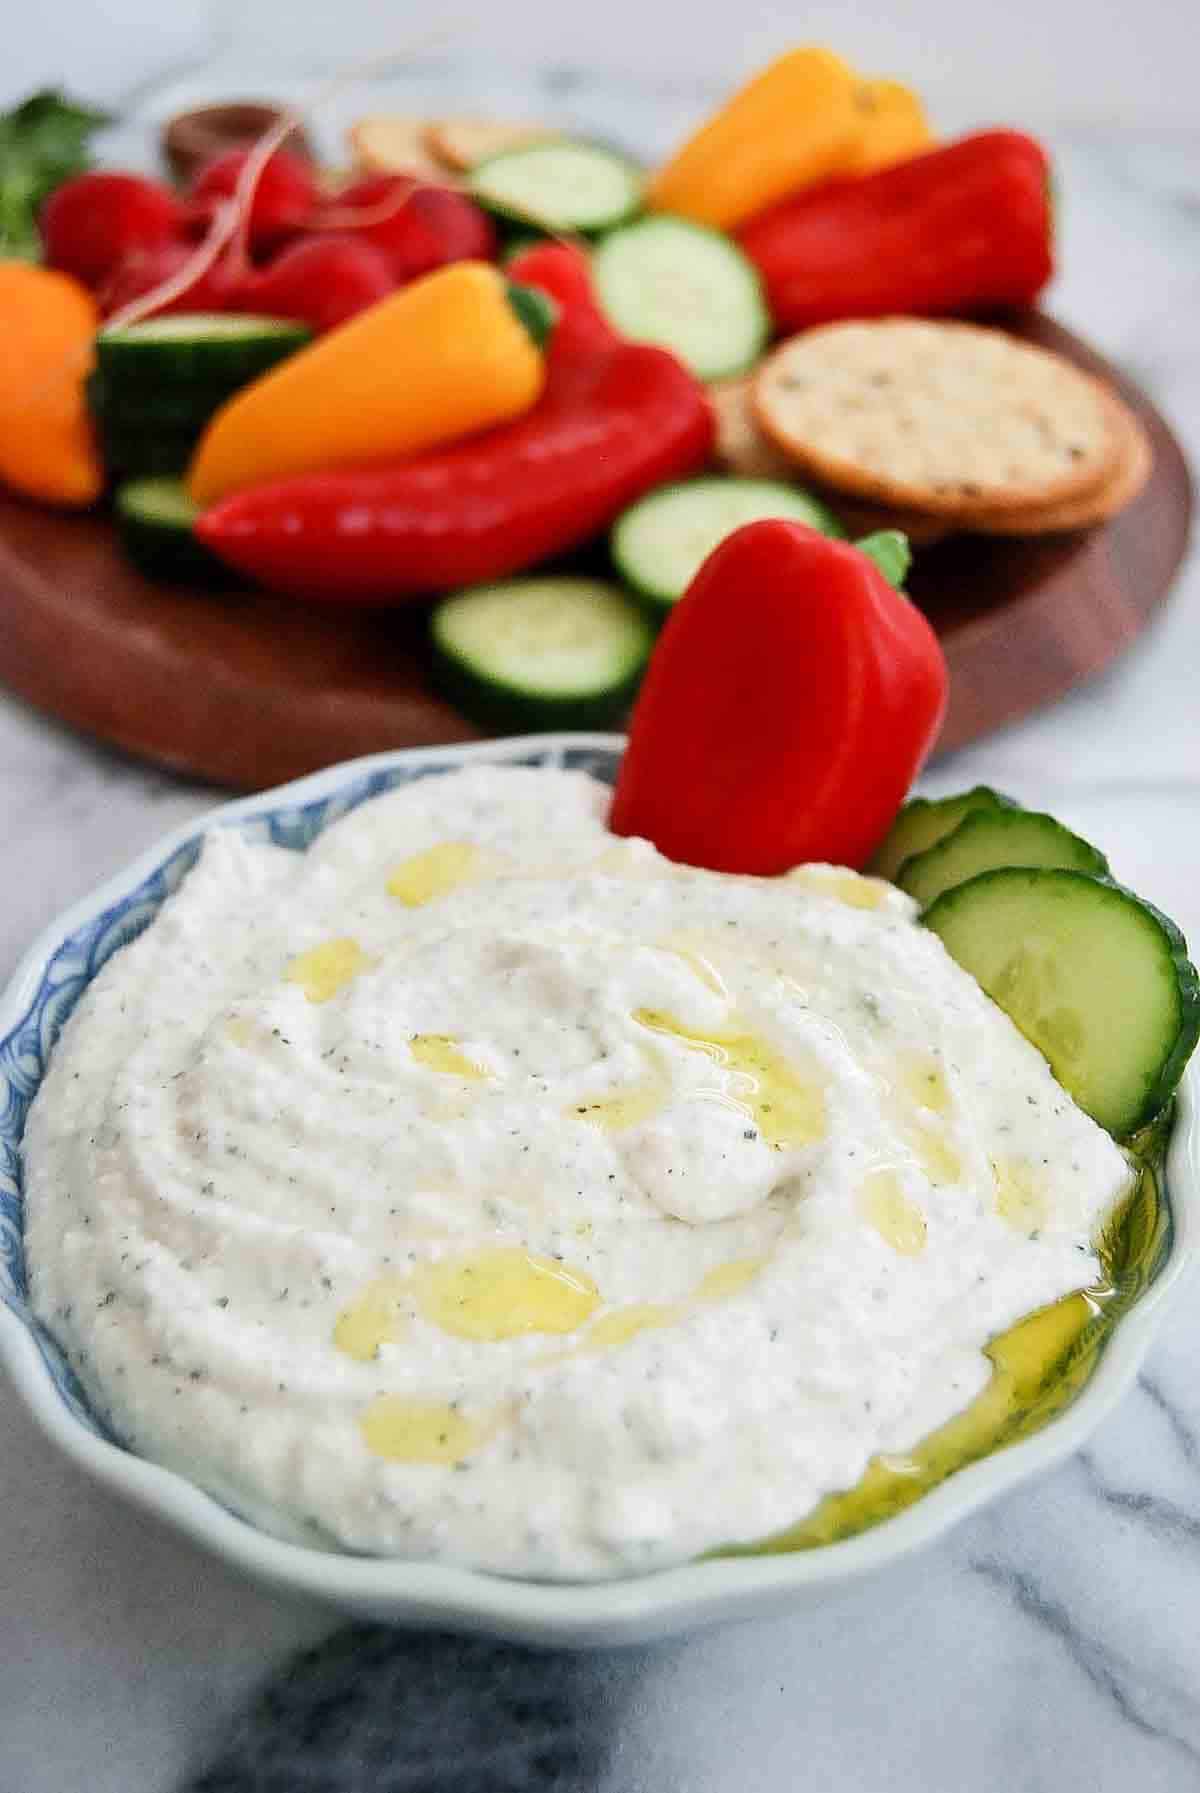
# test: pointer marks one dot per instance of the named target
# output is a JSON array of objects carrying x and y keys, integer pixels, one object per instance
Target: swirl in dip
[{"x": 479, "y": 1186}]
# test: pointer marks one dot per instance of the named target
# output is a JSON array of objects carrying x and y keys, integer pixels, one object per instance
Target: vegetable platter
[{"x": 295, "y": 467}]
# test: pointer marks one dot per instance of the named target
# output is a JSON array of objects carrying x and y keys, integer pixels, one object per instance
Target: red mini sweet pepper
[
  {"x": 615, "y": 419},
  {"x": 562, "y": 272},
  {"x": 791, "y": 700},
  {"x": 961, "y": 228}
]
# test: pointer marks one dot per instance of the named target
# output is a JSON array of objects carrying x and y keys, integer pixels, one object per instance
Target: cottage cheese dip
[{"x": 478, "y": 1186}]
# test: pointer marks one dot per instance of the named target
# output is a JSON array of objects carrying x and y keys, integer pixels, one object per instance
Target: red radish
[
  {"x": 417, "y": 227},
  {"x": 792, "y": 699},
  {"x": 284, "y": 198},
  {"x": 216, "y": 289},
  {"x": 91, "y": 223},
  {"x": 455, "y": 227},
  {"x": 322, "y": 281},
  {"x": 196, "y": 218}
]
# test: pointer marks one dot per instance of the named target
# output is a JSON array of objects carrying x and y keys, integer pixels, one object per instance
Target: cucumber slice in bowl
[
  {"x": 986, "y": 839},
  {"x": 559, "y": 186},
  {"x": 667, "y": 281},
  {"x": 1098, "y": 980},
  {"x": 925, "y": 820},
  {"x": 660, "y": 543},
  {"x": 548, "y": 653}
]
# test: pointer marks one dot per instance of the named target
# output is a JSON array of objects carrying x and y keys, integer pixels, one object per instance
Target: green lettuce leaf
[{"x": 43, "y": 142}]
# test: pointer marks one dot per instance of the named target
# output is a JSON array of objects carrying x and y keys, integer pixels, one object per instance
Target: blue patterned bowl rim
[{"x": 41, "y": 995}]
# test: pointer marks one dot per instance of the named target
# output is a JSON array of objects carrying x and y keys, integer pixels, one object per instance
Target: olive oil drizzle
[
  {"x": 1039, "y": 1365},
  {"x": 786, "y": 1108}
]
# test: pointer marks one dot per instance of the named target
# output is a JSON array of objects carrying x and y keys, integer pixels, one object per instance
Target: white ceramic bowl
[{"x": 45, "y": 988}]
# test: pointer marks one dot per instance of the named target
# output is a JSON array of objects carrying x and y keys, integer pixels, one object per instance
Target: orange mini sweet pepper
[
  {"x": 453, "y": 353},
  {"x": 47, "y": 330},
  {"x": 798, "y": 121},
  {"x": 894, "y": 127}
]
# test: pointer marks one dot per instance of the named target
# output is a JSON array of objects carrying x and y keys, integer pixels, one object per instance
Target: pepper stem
[
  {"x": 890, "y": 551},
  {"x": 536, "y": 310}
]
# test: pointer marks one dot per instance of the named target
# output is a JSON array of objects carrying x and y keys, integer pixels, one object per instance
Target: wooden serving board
[{"x": 247, "y": 690}]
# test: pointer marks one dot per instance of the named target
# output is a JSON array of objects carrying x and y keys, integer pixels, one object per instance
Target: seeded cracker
[
  {"x": 940, "y": 417},
  {"x": 1135, "y": 462},
  {"x": 743, "y": 449},
  {"x": 460, "y": 143}
]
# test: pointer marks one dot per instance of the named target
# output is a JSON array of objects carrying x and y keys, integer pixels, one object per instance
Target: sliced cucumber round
[
  {"x": 924, "y": 820},
  {"x": 167, "y": 405},
  {"x": 1094, "y": 977},
  {"x": 660, "y": 543},
  {"x": 146, "y": 431},
  {"x": 195, "y": 349},
  {"x": 988, "y": 838},
  {"x": 132, "y": 448},
  {"x": 559, "y": 186},
  {"x": 542, "y": 653},
  {"x": 154, "y": 519},
  {"x": 158, "y": 382},
  {"x": 667, "y": 281}
]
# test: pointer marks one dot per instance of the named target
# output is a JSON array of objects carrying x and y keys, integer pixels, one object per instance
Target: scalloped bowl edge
[{"x": 576, "y": 1614}]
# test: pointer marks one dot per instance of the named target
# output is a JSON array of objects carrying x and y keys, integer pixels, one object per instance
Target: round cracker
[
  {"x": 934, "y": 416},
  {"x": 460, "y": 143},
  {"x": 389, "y": 143},
  {"x": 741, "y": 447},
  {"x": 1135, "y": 463}
]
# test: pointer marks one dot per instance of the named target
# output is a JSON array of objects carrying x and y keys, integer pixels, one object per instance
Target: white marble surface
[
  {"x": 1053, "y": 1640},
  {"x": 1066, "y": 60}
]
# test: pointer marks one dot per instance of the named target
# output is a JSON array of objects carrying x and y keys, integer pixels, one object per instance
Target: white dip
[{"x": 478, "y": 1186}]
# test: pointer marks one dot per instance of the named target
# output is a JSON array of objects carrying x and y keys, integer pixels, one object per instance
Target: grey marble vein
[
  {"x": 1165, "y": 1517},
  {"x": 1108, "y": 1670},
  {"x": 1183, "y": 1434}
]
